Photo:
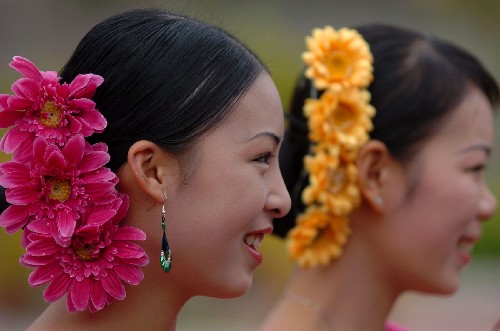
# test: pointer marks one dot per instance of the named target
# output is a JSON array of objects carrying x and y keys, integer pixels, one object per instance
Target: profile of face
[
  {"x": 219, "y": 212},
  {"x": 439, "y": 200}
]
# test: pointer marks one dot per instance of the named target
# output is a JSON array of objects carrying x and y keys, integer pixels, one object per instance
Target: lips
[
  {"x": 465, "y": 247},
  {"x": 253, "y": 241}
]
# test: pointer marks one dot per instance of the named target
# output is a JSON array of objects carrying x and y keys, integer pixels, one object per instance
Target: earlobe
[
  {"x": 147, "y": 163},
  {"x": 372, "y": 162}
]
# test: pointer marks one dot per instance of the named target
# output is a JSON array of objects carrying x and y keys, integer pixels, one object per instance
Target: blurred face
[
  {"x": 436, "y": 220},
  {"x": 217, "y": 219}
]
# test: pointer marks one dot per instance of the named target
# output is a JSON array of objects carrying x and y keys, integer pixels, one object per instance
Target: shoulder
[{"x": 391, "y": 326}]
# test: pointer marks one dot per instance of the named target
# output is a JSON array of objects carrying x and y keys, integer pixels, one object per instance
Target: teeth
[
  {"x": 254, "y": 240},
  {"x": 465, "y": 245}
]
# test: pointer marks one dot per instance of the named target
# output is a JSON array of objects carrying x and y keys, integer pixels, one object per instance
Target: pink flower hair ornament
[{"x": 61, "y": 194}]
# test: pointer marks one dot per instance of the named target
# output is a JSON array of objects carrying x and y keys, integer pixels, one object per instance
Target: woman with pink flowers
[
  {"x": 144, "y": 173},
  {"x": 390, "y": 132}
]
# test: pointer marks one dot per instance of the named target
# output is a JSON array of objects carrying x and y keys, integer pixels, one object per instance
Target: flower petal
[
  {"x": 128, "y": 233},
  {"x": 43, "y": 247},
  {"x": 93, "y": 161},
  {"x": 14, "y": 217},
  {"x": 128, "y": 250},
  {"x": 66, "y": 223},
  {"x": 14, "y": 174},
  {"x": 21, "y": 195},
  {"x": 101, "y": 175},
  {"x": 44, "y": 273},
  {"x": 19, "y": 103},
  {"x": 12, "y": 139},
  {"x": 101, "y": 217},
  {"x": 84, "y": 85},
  {"x": 73, "y": 150},
  {"x": 97, "y": 294},
  {"x": 57, "y": 287},
  {"x": 34, "y": 261},
  {"x": 100, "y": 190},
  {"x": 9, "y": 117},
  {"x": 25, "y": 67},
  {"x": 69, "y": 303},
  {"x": 94, "y": 119},
  {"x": 111, "y": 283},
  {"x": 27, "y": 88},
  {"x": 130, "y": 274},
  {"x": 141, "y": 262},
  {"x": 80, "y": 294}
]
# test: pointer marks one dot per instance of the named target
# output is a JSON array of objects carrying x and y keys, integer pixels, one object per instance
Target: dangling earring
[
  {"x": 378, "y": 200},
  {"x": 166, "y": 255}
]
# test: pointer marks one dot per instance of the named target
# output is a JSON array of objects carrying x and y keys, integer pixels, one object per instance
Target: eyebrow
[
  {"x": 472, "y": 148},
  {"x": 271, "y": 135}
]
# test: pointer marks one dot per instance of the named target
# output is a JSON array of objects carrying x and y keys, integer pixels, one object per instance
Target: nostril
[{"x": 276, "y": 211}]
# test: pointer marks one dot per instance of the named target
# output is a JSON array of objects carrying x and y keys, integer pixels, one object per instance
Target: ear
[
  {"x": 373, "y": 162},
  {"x": 152, "y": 168}
]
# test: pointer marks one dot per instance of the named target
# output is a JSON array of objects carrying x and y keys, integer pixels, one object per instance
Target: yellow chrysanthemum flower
[
  {"x": 338, "y": 59},
  {"x": 332, "y": 182},
  {"x": 342, "y": 117},
  {"x": 340, "y": 63},
  {"x": 318, "y": 237}
]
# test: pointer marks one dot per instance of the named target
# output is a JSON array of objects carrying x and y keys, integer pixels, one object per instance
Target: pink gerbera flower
[
  {"x": 41, "y": 106},
  {"x": 92, "y": 268},
  {"x": 56, "y": 187}
]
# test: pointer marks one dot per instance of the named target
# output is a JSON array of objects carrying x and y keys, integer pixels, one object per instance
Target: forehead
[
  {"x": 257, "y": 111},
  {"x": 471, "y": 122}
]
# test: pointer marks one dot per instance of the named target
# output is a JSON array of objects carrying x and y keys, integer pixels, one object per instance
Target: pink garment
[{"x": 391, "y": 326}]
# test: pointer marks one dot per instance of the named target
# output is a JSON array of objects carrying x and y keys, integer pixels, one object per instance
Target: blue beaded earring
[{"x": 166, "y": 255}]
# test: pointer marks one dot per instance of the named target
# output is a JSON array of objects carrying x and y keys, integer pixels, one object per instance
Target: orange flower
[
  {"x": 318, "y": 237},
  {"x": 340, "y": 65},
  {"x": 338, "y": 59},
  {"x": 342, "y": 117},
  {"x": 332, "y": 182}
]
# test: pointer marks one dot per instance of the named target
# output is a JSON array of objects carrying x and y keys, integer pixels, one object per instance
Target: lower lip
[
  {"x": 255, "y": 254},
  {"x": 464, "y": 259}
]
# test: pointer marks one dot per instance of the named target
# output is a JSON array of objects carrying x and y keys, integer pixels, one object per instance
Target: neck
[
  {"x": 145, "y": 308},
  {"x": 335, "y": 297}
]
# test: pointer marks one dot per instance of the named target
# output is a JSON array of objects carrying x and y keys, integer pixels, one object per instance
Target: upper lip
[{"x": 266, "y": 230}]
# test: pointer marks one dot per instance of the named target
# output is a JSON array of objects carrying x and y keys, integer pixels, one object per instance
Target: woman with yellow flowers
[{"x": 389, "y": 133}]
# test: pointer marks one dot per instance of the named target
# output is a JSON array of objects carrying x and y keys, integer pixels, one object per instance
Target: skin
[
  {"x": 419, "y": 238},
  {"x": 229, "y": 186}
]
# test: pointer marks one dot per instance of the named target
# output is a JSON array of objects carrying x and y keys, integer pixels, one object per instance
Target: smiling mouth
[
  {"x": 254, "y": 240},
  {"x": 465, "y": 247}
]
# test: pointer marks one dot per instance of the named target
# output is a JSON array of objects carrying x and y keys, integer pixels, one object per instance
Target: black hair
[
  {"x": 168, "y": 78},
  {"x": 418, "y": 80}
]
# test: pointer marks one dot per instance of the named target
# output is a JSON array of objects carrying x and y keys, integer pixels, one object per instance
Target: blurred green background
[{"x": 47, "y": 31}]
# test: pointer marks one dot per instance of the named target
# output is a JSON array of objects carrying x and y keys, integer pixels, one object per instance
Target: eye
[
  {"x": 264, "y": 158},
  {"x": 477, "y": 168}
]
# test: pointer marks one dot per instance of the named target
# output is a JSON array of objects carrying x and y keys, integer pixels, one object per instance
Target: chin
[
  {"x": 445, "y": 287},
  {"x": 234, "y": 289}
]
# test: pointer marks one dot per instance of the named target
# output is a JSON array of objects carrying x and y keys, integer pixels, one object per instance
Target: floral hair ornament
[
  {"x": 61, "y": 195},
  {"x": 339, "y": 63}
]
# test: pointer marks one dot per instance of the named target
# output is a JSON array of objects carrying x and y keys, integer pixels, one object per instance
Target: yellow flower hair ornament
[{"x": 339, "y": 64}]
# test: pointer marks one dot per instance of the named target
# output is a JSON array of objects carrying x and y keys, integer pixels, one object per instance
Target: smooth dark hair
[
  {"x": 168, "y": 78},
  {"x": 418, "y": 81}
]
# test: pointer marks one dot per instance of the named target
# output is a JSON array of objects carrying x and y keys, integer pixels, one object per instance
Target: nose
[
  {"x": 487, "y": 205},
  {"x": 278, "y": 201}
]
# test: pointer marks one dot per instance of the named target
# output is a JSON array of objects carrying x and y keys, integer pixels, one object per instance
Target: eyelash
[
  {"x": 264, "y": 158},
  {"x": 478, "y": 168}
]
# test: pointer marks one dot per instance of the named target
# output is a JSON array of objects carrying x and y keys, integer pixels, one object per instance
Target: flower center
[
  {"x": 337, "y": 64},
  {"x": 50, "y": 115},
  {"x": 60, "y": 189},
  {"x": 336, "y": 180},
  {"x": 342, "y": 116},
  {"x": 85, "y": 252}
]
